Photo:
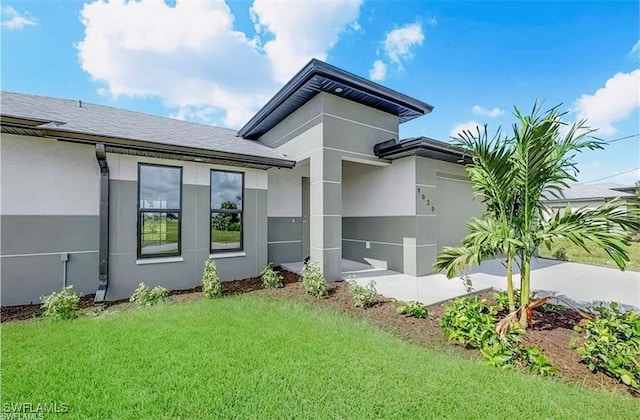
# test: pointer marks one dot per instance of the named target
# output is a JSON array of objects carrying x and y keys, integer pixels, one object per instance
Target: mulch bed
[{"x": 551, "y": 332}]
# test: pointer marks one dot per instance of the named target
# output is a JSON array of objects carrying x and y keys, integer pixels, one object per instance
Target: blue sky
[{"x": 214, "y": 62}]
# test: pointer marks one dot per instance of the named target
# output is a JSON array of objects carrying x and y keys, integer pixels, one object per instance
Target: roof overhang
[
  {"x": 10, "y": 125},
  {"x": 317, "y": 77},
  {"x": 424, "y": 147}
]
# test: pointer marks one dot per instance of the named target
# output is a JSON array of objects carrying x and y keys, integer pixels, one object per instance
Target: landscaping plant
[
  {"x": 362, "y": 295},
  {"x": 211, "y": 286},
  {"x": 514, "y": 176},
  {"x": 470, "y": 321},
  {"x": 313, "y": 281},
  {"x": 61, "y": 305},
  {"x": 412, "y": 308},
  {"x": 270, "y": 278},
  {"x": 612, "y": 344},
  {"x": 560, "y": 254},
  {"x": 143, "y": 295}
]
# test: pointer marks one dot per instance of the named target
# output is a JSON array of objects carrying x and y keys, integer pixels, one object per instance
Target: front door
[{"x": 306, "y": 222}]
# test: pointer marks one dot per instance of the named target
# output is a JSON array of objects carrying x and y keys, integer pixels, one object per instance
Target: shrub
[
  {"x": 412, "y": 308},
  {"x": 560, "y": 254},
  {"x": 470, "y": 321},
  {"x": 313, "y": 281},
  {"x": 362, "y": 295},
  {"x": 211, "y": 286},
  {"x": 61, "y": 305},
  {"x": 143, "y": 295},
  {"x": 612, "y": 344},
  {"x": 270, "y": 278}
]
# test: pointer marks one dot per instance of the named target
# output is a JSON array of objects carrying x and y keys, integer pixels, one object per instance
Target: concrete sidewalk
[{"x": 579, "y": 283}]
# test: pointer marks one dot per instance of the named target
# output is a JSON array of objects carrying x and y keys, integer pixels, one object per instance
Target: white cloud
[
  {"x": 302, "y": 30},
  {"x": 398, "y": 46},
  {"x": 471, "y": 125},
  {"x": 191, "y": 56},
  {"x": 491, "y": 113},
  {"x": 614, "y": 102},
  {"x": 398, "y": 43},
  {"x": 635, "y": 51},
  {"x": 379, "y": 71},
  {"x": 12, "y": 19}
]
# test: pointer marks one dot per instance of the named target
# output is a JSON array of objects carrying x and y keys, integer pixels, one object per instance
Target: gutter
[
  {"x": 103, "y": 238},
  {"x": 139, "y": 146}
]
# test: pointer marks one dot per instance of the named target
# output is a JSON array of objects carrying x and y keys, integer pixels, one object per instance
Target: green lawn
[
  {"x": 226, "y": 236},
  {"x": 245, "y": 357},
  {"x": 596, "y": 257}
]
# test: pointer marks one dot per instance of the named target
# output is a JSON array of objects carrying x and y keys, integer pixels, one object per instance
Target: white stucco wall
[
  {"x": 369, "y": 190},
  {"x": 285, "y": 191},
  {"x": 125, "y": 168},
  {"x": 42, "y": 176}
]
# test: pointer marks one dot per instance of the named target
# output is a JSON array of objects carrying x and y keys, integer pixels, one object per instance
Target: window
[
  {"x": 159, "y": 210},
  {"x": 227, "y": 199}
]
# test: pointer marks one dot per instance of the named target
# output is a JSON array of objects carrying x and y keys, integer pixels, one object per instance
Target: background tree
[{"x": 514, "y": 176}]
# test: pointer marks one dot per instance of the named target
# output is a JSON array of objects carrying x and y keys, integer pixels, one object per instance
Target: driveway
[{"x": 579, "y": 283}]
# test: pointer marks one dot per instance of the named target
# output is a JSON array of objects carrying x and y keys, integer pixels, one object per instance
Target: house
[
  {"x": 591, "y": 196},
  {"x": 104, "y": 198}
]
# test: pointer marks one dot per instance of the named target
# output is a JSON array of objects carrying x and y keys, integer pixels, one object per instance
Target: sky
[{"x": 217, "y": 62}]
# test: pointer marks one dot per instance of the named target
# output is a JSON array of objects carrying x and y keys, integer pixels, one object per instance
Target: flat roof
[
  {"x": 318, "y": 76},
  {"x": 424, "y": 147}
]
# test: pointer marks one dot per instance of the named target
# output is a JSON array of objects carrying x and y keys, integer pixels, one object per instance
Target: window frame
[
  {"x": 215, "y": 211},
  {"x": 143, "y": 210}
]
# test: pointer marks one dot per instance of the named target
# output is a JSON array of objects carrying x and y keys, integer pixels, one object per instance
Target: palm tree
[{"x": 514, "y": 176}]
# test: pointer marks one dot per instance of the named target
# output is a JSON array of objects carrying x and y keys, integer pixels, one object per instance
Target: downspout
[{"x": 103, "y": 250}]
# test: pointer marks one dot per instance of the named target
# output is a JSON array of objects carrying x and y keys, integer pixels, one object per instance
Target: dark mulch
[
  {"x": 551, "y": 332},
  {"x": 23, "y": 312}
]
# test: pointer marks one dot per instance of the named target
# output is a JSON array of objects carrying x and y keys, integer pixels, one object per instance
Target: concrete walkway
[{"x": 579, "y": 283}]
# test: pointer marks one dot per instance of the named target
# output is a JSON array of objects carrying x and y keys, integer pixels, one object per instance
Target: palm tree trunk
[
  {"x": 525, "y": 290},
  {"x": 512, "y": 304}
]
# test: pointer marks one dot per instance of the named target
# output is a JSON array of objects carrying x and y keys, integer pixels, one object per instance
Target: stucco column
[{"x": 326, "y": 212}]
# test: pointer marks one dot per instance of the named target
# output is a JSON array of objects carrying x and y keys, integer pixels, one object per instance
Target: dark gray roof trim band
[
  {"x": 421, "y": 146},
  {"x": 165, "y": 151},
  {"x": 317, "y": 77}
]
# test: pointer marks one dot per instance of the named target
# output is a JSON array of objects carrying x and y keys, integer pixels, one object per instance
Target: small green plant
[
  {"x": 362, "y": 295},
  {"x": 553, "y": 308},
  {"x": 270, "y": 278},
  {"x": 470, "y": 321},
  {"x": 313, "y": 281},
  {"x": 143, "y": 295},
  {"x": 211, "y": 286},
  {"x": 502, "y": 298},
  {"x": 61, "y": 305},
  {"x": 612, "y": 344},
  {"x": 560, "y": 254},
  {"x": 412, "y": 308}
]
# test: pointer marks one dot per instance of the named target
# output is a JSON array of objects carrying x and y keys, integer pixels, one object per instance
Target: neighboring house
[
  {"x": 104, "y": 198},
  {"x": 591, "y": 196}
]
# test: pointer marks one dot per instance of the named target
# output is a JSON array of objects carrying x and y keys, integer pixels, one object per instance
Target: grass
[
  {"x": 244, "y": 357},
  {"x": 596, "y": 257},
  {"x": 226, "y": 236}
]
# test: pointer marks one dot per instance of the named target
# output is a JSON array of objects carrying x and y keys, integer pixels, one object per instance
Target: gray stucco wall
[
  {"x": 32, "y": 247},
  {"x": 126, "y": 273}
]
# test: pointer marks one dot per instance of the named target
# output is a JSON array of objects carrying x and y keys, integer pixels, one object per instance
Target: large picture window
[
  {"x": 227, "y": 200},
  {"x": 159, "y": 210}
]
